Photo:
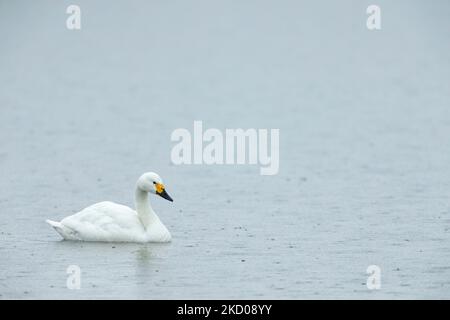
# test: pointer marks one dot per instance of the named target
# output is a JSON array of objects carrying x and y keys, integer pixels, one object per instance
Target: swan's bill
[
  {"x": 165, "y": 195},
  {"x": 160, "y": 191}
]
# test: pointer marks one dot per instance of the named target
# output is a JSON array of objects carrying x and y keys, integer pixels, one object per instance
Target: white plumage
[{"x": 112, "y": 222}]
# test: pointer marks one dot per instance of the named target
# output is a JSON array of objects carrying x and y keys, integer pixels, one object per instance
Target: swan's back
[{"x": 106, "y": 221}]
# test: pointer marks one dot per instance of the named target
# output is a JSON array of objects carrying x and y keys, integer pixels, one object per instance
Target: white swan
[{"x": 112, "y": 222}]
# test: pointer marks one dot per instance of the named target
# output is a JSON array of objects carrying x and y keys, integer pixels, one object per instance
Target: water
[{"x": 364, "y": 159}]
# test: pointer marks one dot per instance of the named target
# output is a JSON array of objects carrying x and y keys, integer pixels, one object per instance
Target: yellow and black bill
[{"x": 161, "y": 191}]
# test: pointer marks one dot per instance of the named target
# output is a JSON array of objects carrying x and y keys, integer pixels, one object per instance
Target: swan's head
[{"x": 152, "y": 183}]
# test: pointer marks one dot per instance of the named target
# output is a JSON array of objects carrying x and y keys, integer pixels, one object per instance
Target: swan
[{"x": 111, "y": 222}]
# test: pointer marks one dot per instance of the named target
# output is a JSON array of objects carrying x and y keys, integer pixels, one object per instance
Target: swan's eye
[{"x": 154, "y": 182}]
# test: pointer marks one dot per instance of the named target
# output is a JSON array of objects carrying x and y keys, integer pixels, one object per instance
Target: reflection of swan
[{"x": 108, "y": 221}]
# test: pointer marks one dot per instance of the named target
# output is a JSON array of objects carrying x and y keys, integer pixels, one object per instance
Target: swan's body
[{"x": 112, "y": 222}]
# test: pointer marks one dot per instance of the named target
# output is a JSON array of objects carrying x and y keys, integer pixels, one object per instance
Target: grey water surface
[{"x": 364, "y": 119}]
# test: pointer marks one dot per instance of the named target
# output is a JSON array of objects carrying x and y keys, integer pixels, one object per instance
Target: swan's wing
[{"x": 106, "y": 221}]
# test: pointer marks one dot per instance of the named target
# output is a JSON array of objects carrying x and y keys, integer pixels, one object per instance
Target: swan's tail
[{"x": 66, "y": 233}]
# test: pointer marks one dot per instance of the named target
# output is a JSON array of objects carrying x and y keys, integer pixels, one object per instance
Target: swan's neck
[{"x": 144, "y": 209}]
